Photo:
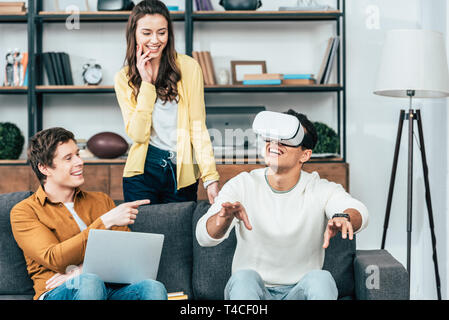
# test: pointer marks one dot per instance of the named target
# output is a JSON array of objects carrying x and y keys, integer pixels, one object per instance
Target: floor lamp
[{"x": 413, "y": 65}]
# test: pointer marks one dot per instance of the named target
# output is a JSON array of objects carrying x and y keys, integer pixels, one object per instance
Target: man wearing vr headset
[{"x": 284, "y": 217}]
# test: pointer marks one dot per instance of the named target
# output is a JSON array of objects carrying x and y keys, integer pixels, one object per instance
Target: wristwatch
[{"x": 342, "y": 215}]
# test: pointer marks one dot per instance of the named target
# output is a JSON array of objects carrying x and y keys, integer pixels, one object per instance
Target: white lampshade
[{"x": 413, "y": 60}]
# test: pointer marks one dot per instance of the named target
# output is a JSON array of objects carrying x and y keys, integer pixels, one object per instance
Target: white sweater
[{"x": 286, "y": 240}]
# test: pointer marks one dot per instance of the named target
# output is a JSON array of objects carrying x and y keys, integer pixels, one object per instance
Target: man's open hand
[
  {"x": 337, "y": 224},
  {"x": 230, "y": 210}
]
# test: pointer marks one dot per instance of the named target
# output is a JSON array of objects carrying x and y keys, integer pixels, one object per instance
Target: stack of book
[
  {"x": 278, "y": 78},
  {"x": 203, "y": 5},
  {"x": 57, "y": 67},
  {"x": 204, "y": 58},
  {"x": 177, "y": 296},
  {"x": 262, "y": 79},
  {"x": 298, "y": 79},
  {"x": 12, "y": 7},
  {"x": 328, "y": 61}
]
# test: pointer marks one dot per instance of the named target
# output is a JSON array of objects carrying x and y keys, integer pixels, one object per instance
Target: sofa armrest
[{"x": 379, "y": 276}]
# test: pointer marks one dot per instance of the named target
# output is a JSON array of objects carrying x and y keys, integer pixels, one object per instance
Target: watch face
[{"x": 92, "y": 75}]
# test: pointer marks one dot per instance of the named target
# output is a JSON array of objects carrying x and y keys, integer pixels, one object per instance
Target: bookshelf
[{"x": 36, "y": 18}]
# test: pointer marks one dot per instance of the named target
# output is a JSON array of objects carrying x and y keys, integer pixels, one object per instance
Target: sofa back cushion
[
  {"x": 14, "y": 279},
  {"x": 339, "y": 261},
  {"x": 174, "y": 221},
  {"x": 212, "y": 266}
]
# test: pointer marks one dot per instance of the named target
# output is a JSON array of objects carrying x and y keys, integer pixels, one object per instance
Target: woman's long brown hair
[{"x": 169, "y": 73}]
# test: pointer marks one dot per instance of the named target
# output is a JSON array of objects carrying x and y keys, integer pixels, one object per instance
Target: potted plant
[
  {"x": 328, "y": 140},
  {"x": 11, "y": 141}
]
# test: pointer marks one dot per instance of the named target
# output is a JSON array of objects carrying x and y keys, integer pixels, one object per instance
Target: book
[
  {"x": 177, "y": 296},
  {"x": 67, "y": 69},
  {"x": 298, "y": 76},
  {"x": 196, "y": 56},
  {"x": 11, "y": 4},
  {"x": 262, "y": 82},
  {"x": 24, "y": 64},
  {"x": 12, "y": 7},
  {"x": 206, "y": 5},
  {"x": 204, "y": 68},
  {"x": 299, "y": 82},
  {"x": 48, "y": 66},
  {"x": 198, "y": 5},
  {"x": 306, "y": 8},
  {"x": 56, "y": 72},
  {"x": 325, "y": 60},
  {"x": 210, "y": 67},
  {"x": 263, "y": 76},
  {"x": 182, "y": 297},
  {"x": 332, "y": 58},
  {"x": 60, "y": 67},
  {"x": 25, "y": 78}
]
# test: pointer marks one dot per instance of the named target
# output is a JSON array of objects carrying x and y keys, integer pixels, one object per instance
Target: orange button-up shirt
[{"x": 49, "y": 236}]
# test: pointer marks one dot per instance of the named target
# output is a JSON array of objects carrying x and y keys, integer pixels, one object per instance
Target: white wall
[
  {"x": 293, "y": 47},
  {"x": 372, "y": 127}
]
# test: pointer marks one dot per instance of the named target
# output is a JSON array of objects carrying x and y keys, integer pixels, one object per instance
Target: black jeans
[{"x": 158, "y": 181}]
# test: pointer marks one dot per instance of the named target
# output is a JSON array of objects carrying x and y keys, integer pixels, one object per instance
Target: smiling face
[
  {"x": 152, "y": 34},
  {"x": 67, "y": 169},
  {"x": 284, "y": 158}
]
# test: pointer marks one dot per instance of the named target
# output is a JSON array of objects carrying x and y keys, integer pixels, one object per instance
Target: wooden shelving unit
[{"x": 107, "y": 173}]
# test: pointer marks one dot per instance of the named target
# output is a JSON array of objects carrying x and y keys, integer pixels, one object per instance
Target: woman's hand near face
[{"x": 144, "y": 65}]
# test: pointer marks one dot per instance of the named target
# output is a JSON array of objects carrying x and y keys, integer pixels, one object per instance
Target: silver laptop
[
  {"x": 123, "y": 257},
  {"x": 230, "y": 130}
]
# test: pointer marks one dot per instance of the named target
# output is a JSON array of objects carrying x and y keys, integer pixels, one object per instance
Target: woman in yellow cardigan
[{"x": 161, "y": 96}]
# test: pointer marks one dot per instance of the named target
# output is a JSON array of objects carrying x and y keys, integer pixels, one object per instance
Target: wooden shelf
[
  {"x": 265, "y": 15},
  {"x": 21, "y": 17},
  {"x": 13, "y": 90},
  {"x": 13, "y": 162},
  {"x": 97, "y": 16},
  {"x": 75, "y": 89},
  {"x": 208, "y": 88},
  {"x": 273, "y": 88}
]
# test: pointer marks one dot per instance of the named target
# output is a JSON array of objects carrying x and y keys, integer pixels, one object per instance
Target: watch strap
[{"x": 342, "y": 215}]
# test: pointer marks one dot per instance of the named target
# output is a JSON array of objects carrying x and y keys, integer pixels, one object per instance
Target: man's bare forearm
[{"x": 217, "y": 226}]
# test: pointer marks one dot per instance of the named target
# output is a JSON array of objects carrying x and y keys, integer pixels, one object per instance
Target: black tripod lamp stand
[{"x": 414, "y": 65}]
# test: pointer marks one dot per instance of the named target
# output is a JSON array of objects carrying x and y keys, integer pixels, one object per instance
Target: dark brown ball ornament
[{"x": 107, "y": 145}]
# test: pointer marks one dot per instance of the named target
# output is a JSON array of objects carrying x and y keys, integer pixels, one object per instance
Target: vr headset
[{"x": 282, "y": 128}]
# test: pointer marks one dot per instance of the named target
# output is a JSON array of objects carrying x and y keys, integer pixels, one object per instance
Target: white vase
[{"x": 223, "y": 77}]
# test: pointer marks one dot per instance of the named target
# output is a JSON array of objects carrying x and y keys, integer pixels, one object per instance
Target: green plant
[
  {"x": 11, "y": 141},
  {"x": 328, "y": 141}
]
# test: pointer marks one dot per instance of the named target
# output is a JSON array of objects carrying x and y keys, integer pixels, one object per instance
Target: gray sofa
[{"x": 202, "y": 273}]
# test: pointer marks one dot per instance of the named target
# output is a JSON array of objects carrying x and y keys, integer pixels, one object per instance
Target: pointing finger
[{"x": 137, "y": 203}]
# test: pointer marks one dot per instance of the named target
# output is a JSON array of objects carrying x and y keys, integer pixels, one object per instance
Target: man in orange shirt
[{"x": 52, "y": 225}]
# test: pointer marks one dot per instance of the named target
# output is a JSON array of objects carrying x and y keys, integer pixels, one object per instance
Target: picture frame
[{"x": 241, "y": 67}]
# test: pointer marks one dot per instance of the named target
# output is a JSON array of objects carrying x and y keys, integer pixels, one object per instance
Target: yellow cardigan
[{"x": 191, "y": 126}]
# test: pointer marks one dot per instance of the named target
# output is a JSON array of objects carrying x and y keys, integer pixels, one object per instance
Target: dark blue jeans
[
  {"x": 90, "y": 287},
  {"x": 158, "y": 181}
]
